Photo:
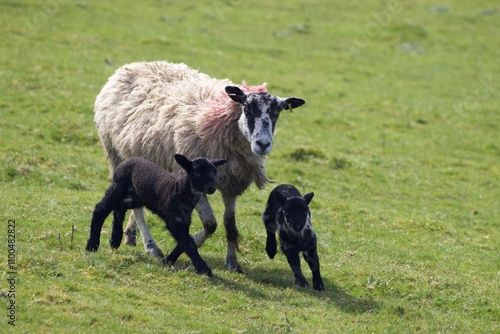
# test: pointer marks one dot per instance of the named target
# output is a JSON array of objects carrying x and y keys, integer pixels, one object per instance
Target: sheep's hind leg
[
  {"x": 101, "y": 212},
  {"x": 130, "y": 232},
  {"x": 207, "y": 217},
  {"x": 149, "y": 243},
  {"x": 231, "y": 234},
  {"x": 117, "y": 229}
]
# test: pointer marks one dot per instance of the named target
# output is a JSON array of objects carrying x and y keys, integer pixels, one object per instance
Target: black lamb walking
[
  {"x": 138, "y": 182},
  {"x": 288, "y": 213}
]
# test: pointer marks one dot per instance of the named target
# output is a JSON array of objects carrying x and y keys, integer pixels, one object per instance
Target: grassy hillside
[{"x": 399, "y": 140}]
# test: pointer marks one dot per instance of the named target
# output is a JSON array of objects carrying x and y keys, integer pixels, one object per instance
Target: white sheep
[{"x": 151, "y": 109}]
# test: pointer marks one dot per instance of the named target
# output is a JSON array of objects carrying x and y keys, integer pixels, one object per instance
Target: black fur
[
  {"x": 138, "y": 182},
  {"x": 288, "y": 213}
]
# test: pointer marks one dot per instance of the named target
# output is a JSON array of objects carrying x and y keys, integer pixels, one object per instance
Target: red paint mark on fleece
[{"x": 222, "y": 111}]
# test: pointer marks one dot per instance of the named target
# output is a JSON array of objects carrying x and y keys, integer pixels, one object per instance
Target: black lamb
[
  {"x": 138, "y": 182},
  {"x": 288, "y": 213}
]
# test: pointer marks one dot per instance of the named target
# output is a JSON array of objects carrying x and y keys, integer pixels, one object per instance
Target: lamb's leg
[
  {"x": 294, "y": 262},
  {"x": 231, "y": 234},
  {"x": 185, "y": 243},
  {"x": 269, "y": 219},
  {"x": 101, "y": 212},
  {"x": 271, "y": 247},
  {"x": 149, "y": 243},
  {"x": 207, "y": 217},
  {"x": 117, "y": 230},
  {"x": 209, "y": 225},
  {"x": 311, "y": 257}
]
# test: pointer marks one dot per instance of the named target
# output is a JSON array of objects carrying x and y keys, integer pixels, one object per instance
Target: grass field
[{"x": 399, "y": 140}]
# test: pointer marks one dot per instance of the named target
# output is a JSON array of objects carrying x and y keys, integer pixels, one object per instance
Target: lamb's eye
[
  {"x": 197, "y": 174},
  {"x": 245, "y": 109}
]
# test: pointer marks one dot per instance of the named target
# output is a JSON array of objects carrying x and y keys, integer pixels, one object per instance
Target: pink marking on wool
[{"x": 222, "y": 110}]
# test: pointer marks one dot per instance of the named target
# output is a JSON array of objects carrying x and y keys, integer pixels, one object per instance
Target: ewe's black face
[
  {"x": 202, "y": 173},
  {"x": 260, "y": 113},
  {"x": 296, "y": 213}
]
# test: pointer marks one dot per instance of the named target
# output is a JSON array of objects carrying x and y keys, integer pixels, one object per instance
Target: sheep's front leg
[
  {"x": 207, "y": 217},
  {"x": 294, "y": 262},
  {"x": 149, "y": 243},
  {"x": 185, "y": 243},
  {"x": 269, "y": 218},
  {"x": 231, "y": 234},
  {"x": 311, "y": 257}
]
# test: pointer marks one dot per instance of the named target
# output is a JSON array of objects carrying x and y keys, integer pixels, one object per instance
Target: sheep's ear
[
  {"x": 280, "y": 198},
  {"x": 183, "y": 162},
  {"x": 218, "y": 162},
  {"x": 236, "y": 94},
  {"x": 309, "y": 197},
  {"x": 291, "y": 103}
]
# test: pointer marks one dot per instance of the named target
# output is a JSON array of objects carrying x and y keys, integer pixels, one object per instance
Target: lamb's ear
[
  {"x": 218, "y": 162},
  {"x": 291, "y": 103},
  {"x": 280, "y": 198},
  {"x": 183, "y": 162},
  {"x": 309, "y": 197},
  {"x": 236, "y": 94}
]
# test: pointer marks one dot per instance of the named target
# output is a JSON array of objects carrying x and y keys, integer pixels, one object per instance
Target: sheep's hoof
[
  {"x": 130, "y": 237},
  {"x": 91, "y": 247},
  {"x": 155, "y": 252},
  {"x": 204, "y": 270},
  {"x": 301, "y": 282},
  {"x": 233, "y": 266},
  {"x": 318, "y": 286}
]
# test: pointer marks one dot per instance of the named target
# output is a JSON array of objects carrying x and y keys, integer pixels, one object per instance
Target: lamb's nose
[
  {"x": 210, "y": 189},
  {"x": 263, "y": 144}
]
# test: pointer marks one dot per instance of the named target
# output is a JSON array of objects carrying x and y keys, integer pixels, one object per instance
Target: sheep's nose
[
  {"x": 210, "y": 189},
  {"x": 263, "y": 144}
]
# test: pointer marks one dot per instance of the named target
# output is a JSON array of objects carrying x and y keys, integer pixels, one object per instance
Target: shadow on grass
[
  {"x": 275, "y": 277},
  {"x": 283, "y": 278}
]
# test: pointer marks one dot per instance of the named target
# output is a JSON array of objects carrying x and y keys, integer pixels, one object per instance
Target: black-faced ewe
[
  {"x": 288, "y": 213},
  {"x": 151, "y": 109},
  {"x": 138, "y": 182}
]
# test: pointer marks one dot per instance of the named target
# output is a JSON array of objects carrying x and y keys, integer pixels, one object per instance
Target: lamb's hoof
[
  {"x": 318, "y": 286},
  {"x": 204, "y": 270},
  {"x": 167, "y": 262},
  {"x": 233, "y": 266},
  {"x": 130, "y": 237},
  {"x": 155, "y": 252},
  {"x": 302, "y": 283},
  {"x": 271, "y": 252},
  {"x": 91, "y": 247}
]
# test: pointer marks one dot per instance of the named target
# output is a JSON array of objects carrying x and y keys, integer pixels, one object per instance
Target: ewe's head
[
  {"x": 201, "y": 172},
  {"x": 295, "y": 210},
  {"x": 260, "y": 112}
]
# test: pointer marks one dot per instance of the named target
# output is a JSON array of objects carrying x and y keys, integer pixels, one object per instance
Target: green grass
[{"x": 399, "y": 140}]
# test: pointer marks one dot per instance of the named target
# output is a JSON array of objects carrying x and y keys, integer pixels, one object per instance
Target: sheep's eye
[
  {"x": 197, "y": 174},
  {"x": 245, "y": 109}
]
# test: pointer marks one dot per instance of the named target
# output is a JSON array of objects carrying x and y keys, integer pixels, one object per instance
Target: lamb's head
[
  {"x": 295, "y": 210},
  {"x": 201, "y": 172},
  {"x": 260, "y": 112}
]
